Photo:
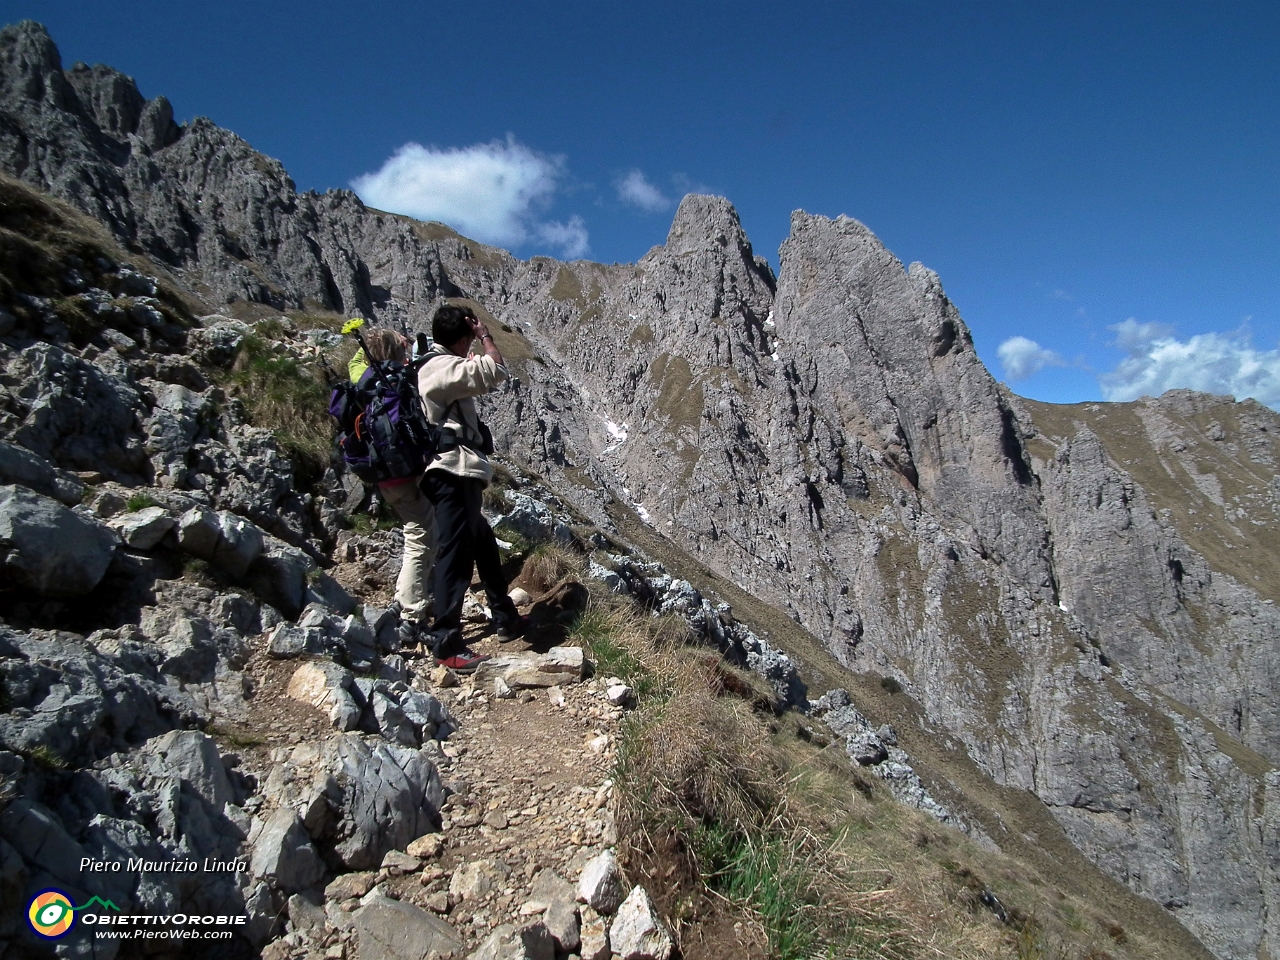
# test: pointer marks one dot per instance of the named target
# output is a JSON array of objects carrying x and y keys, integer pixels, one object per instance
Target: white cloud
[
  {"x": 490, "y": 191},
  {"x": 1135, "y": 337},
  {"x": 1222, "y": 363},
  {"x": 570, "y": 238},
  {"x": 635, "y": 190},
  {"x": 1022, "y": 357}
]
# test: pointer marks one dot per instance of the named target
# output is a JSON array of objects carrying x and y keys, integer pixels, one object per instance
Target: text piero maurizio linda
[{"x": 141, "y": 865}]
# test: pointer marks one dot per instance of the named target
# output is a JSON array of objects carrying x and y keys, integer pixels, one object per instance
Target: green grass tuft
[
  {"x": 762, "y": 872},
  {"x": 46, "y": 759},
  {"x": 139, "y": 501},
  {"x": 287, "y": 397},
  {"x": 520, "y": 547},
  {"x": 366, "y": 525}
]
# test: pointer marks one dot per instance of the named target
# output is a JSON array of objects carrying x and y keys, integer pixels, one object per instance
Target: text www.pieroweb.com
[{"x": 141, "y": 934}]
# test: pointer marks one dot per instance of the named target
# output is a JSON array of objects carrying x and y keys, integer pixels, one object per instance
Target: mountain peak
[
  {"x": 704, "y": 221},
  {"x": 29, "y": 61}
]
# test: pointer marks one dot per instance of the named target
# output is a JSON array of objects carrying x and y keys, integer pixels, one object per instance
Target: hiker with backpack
[
  {"x": 386, "y": 440},
  {"x": 456, "y": 478}
]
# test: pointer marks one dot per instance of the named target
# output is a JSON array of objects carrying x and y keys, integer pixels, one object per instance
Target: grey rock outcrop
[
  {"x": 878, "y": 750},
  {"x": 380, "y": 797},
  {"x": 283, "y": 853},
  {"x": 530, "y": 942},
  {"x": 76, "y": 414},
  {"x": 46, "y": 548},
  {"x": 143, "y": 529},
  {"x": 172, "y": 801},
  {"x": 394, "y": 930},
  {"x": 601, "y": 886},
  {"x": 22, "y": 467},
  {"x": 637, "y": 932},
  {"x": 71, "y": 702}
]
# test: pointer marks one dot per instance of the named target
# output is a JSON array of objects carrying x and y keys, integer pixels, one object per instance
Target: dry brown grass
[
  {"x": 549, "y": 564},
  {"x": 723, "y": 804}
]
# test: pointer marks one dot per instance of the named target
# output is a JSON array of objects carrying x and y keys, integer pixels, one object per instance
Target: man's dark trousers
[{"x": 463, "y": 538}]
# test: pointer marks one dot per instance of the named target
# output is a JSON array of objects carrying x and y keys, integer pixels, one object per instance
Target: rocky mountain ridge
[{"x": 1082, "y": 596}]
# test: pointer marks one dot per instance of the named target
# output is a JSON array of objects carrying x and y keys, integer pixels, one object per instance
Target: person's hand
[{"x": 478, "y": 328}]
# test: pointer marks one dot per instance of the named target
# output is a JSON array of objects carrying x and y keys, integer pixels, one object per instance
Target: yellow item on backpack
[{"x": 357, "y": 365}]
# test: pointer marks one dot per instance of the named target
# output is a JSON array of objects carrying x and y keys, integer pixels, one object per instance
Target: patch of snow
[
  {"x": 616, "y": 431},
  {"x": 642, "y": 513}
]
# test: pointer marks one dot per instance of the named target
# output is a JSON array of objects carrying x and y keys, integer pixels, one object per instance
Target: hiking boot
[
  {"x": 412, "y": 632},
  {"x": 464, "y": 661},
  {"x": 441, "y": 640},
  {"x": 513, "y": 629}
]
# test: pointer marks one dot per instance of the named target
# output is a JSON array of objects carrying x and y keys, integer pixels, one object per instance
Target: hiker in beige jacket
[{"x": 455, "y": 481}]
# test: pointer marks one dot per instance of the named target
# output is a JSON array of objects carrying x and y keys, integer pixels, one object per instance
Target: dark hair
[
  {"x": 449, "y": 325},
  {"x": 385, "y": 345}
]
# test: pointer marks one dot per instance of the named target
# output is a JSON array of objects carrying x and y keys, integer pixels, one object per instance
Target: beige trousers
[{"x": 413, "y": 586}]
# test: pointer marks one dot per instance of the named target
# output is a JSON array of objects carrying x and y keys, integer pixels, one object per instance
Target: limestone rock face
[
  {"x": 284, "y": 853},
  {"x": 601, "y": 885},
  {"x": 22, "y": 467},
  {"x": 638, "y": 933},
  {"x": 385, "y": 798},
  {"x": 77, "y": 415}
]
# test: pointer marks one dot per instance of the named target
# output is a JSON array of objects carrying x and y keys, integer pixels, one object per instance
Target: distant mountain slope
[{"x": 1083, "y": 596}]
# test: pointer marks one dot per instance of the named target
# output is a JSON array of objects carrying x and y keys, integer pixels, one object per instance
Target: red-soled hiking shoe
[{"x": 464, "y": 661}]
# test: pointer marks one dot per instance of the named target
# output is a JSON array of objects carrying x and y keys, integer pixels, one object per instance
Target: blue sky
[{"x": 1098, "y": 184}]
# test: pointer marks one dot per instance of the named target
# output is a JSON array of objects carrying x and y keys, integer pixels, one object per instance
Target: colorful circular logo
[{"x": 51, "y": 914}]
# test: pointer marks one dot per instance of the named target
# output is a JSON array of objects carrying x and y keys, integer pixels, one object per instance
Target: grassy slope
[{"x": 41, "y": 238}]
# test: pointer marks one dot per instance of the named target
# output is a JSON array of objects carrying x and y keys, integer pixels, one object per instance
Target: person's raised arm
[{"x": 486, "y": 340}]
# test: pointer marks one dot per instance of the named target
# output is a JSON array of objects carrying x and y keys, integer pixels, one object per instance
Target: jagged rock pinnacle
[{"x": 704, "y": 221}]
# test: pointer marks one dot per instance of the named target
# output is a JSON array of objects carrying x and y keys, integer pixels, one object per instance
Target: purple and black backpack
[{"x": 383, "y": 432}]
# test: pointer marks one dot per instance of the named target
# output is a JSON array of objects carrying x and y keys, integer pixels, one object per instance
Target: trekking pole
[{"x": 331, "y": 375}]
